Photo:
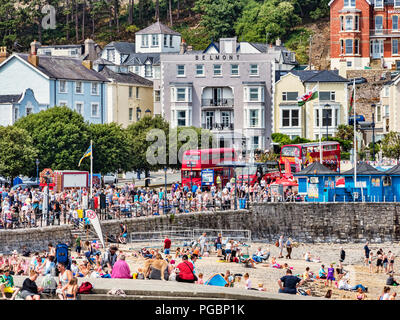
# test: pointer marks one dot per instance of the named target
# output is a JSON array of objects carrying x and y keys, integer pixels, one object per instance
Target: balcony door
[
  {"x": 209, "y": 119},
  {"x": 217, "y": 96},
  {"x": 377, "y": 49}
]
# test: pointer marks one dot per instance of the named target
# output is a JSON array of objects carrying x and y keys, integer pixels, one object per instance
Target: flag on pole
[
  {"x": 310, "y": 95},
  {"x": 351, "y": 100},
  {"x": 88, "y": 153}
]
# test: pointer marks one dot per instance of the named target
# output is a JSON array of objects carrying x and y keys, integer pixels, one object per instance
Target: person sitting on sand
[
  {"x": 307, "y": 256},
  {"x": 360, "y": 294},
  {"x": 344, "y": 285},
  {"x": 289, "y": 283},
  {"x": 274, "y": 264},
  {"x": 261, "y": 287},
  {"x": 307, "y": 275},
  {"x": 229, "y": 279},
  {"x": 7, "y": 285},
  {"x": 385, "y": 294},
  {"x": 247, "y": 262},
  {"x": 121, "y": 269},
  {"x": 391, "y": 281},
  {"x": 322, "y": 273},
  {"x": 393, "y": 296}
]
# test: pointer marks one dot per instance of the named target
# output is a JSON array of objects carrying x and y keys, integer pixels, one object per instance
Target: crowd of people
[
  {"x": 87, "y": 261},
  {"x": 22, "y": 208}
]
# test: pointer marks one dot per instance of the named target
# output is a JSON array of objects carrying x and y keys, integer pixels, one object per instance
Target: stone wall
[
  {"x": 35, "y": 239},
  {"x": 304, "y": 222}
]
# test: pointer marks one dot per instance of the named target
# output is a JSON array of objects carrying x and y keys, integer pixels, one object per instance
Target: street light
[
  {"x": 37, "y": 170},
  {"x": 327, "y": 106},
  {"x": 165, "y": 190},
  {"x": 373, "y": 106}
]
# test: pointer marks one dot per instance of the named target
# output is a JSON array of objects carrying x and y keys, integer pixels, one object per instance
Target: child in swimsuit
[
  {"x": 71, "y": 289},
  {"x": 330, "y": 277},
  {"x": 370, "y": 261}
]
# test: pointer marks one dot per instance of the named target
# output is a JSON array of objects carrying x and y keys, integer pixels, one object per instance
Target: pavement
[{"x": 170, "y": 290}]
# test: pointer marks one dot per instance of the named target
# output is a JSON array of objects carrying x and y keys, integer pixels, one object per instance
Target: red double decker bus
[
  {"x": 254, "y": 172},
  {"x": 302, "y": 155},
  {"x": 194, "y": 161}
]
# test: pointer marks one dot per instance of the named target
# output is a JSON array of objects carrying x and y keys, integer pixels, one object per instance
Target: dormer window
[{"x": 111, "y": 55}]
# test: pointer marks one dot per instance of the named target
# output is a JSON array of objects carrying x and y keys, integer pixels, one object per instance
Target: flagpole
[
  {"x": 355, "y": 137},
  {"x": 91, "y": 170},
  {"x": 319, "y": 124}
]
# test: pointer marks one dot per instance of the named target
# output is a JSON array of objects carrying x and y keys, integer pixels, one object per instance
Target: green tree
[
  {"x": 111, "y": 149},
  {"x": 391, "y": 145},
  {"x": 60, "y": 135},
  {"x": 274, "y": 18},
  {"x": 138, "y": 133},
  {"x": 17, "y": 154},
  {"x": 219, "y": 16},
  {"x": 345, "y": 132}
]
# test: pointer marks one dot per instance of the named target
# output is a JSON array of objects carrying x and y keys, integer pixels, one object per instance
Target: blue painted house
[
  {"x": 317, "y": 183},
  {"x": 13, "y": 107},
  {"x": 369, "y": 183},
  {"x": 56, "y": 81}
]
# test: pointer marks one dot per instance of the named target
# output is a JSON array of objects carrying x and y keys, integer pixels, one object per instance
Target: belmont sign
[{"x": 217, "y": 57}]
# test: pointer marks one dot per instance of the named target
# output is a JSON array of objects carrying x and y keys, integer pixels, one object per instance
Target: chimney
[
  {"x": 183, "y": 47},
  {"x": 90, "y": 49},
  {"x": 278, "y": 42},
  {"x": 3, "y": 54},
  {"x": 33, "y": 58}
]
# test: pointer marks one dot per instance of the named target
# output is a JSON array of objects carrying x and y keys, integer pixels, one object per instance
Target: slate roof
[
  {"x": 65, "y": 68},
  {"x": 138, "y": 59},
  {"x": 10, "y": 98},
  {"x": 316, "y": 168},
  {"x": 122, "y": 47},
  {"x": 129, "y": 77},
  {"x": 319, "y": 76},
  {"x": 158, "y": 28},
  {"x": 395, "y": 170},
  {"x": 363, "y": 168}
]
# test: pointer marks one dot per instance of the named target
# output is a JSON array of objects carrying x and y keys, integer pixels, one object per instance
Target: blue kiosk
[
  {"x": 317, "y": 183},
  {"x": 369, "y": 186},
  {"x": 391, "y": 184}
]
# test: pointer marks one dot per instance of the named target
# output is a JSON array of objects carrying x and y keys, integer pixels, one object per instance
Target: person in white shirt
[{"x": 247, "y": 281}]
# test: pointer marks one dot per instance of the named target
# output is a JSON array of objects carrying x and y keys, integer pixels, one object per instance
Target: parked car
[{"x": 110, "y": 178}]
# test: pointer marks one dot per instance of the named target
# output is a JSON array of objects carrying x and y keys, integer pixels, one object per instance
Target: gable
[
  {"x": 332, "y": 1},
  {"x": 16, "y": 59}
]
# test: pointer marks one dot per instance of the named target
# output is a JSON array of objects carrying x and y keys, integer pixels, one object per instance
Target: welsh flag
[
  {"x": 311, "y": 95},
  {"x": 351, "y": 100}
]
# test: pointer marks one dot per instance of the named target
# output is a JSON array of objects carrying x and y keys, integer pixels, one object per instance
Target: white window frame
[
  {"x": 387, "y": 111},
  {"x": 397, "y": 22},
  {"x": 349, "y": 23},
  {"x": 179, "y": 92},
  {"x": 397, "y": 3},
  {"x": 178, "y": 70},
  {"x": 352, "y": 47},
  {"x": 98, "y": 110},
  {"x": 83, "y": 107},
  {"x": 186, "y": 117},
  {"x": 62, "y": 103},
  {"x": 155, "y": 96},
  {"x": 349, "y": 3},
  {"x": 145, "y": 71},
  {"x": 252, "y": 69},
  {"x": 220, "y": 70},
  {"x": 91, "y": 89},
  {"x": 378, "y": 114},
  {"x": 395, "y": 46},
  {"x": 82, "y": 91},
  {"x": 15, "y": 114},
  {"x": 237, "y": 68},
  {"x": 258, "y": 124},
  {"x": 379, "y": 4},
  {"x": 145, "y": 41},
  {"x": 375, "y": 24},
  {"x": 291, "y": 118},
  {"x": 285, "y": 95},
  {"x": 202, "y": 74},
  {"x": 65, "y": 86},
  {"x": 332, "y": 96},
  {"x": 155, "y": 43}
]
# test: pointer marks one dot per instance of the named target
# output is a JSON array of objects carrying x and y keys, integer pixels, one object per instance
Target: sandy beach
[{"x": 328, "y": 253}]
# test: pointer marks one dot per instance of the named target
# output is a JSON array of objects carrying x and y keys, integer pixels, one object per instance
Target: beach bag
[
  {"x": 62, "y": 253},
  {"x": 85, "y": 288}
]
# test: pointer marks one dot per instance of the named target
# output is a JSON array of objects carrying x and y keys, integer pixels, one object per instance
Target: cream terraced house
[
  {"x": 387, "y": 112},
  {"x": 305, "y": 121},
  {"x": 130, "y": 97}
]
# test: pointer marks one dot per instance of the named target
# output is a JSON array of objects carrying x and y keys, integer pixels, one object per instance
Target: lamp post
[
  {"x": 37, "y": 170},
  {"x": 373, "y": 106},
  {"x": 165, "y": 190},
  {"x": 327, "y": 106}
]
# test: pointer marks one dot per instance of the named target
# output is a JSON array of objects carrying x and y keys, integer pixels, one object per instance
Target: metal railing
[
  {"x": 218, "y": 126},
  {"x": 217, "y": 102}
]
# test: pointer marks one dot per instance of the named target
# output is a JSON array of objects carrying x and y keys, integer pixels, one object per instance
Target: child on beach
[
  {"x": 370, "y": 261},
  {"x": 261, "y": 287},
  {"x": 330, "y": 277},
  {"x": 178, "y": 253},
  {"x": 200, "y": 279},
  {"x": 247, "y": 281},
  {"x": 70, "y": 290}
]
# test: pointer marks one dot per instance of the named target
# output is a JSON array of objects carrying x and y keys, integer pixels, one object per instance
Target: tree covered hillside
[{"x": 199, "y": 21}]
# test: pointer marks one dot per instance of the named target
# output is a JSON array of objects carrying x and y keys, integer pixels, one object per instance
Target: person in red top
[
  {"x": 185, "y": 271},
  {"x": 167, "y": 245}
]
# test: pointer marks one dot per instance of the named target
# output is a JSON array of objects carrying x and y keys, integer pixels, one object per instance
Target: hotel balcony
[
  {"x": 217, "y": 102},
  {"x": 218, "y": 126}
]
